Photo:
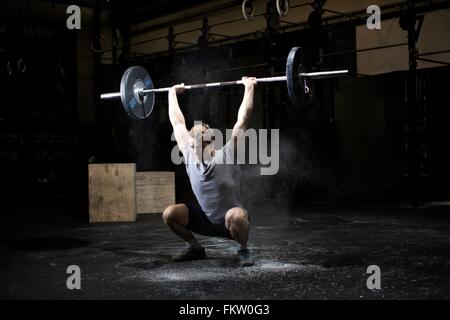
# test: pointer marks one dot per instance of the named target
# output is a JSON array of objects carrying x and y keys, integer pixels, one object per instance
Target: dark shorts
[{"x": 200, "y": 224}]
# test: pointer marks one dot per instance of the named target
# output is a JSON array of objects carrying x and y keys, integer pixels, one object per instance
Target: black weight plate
[
  {"x": 136, "y": 106},
  {"x": 295, "y": 85}
]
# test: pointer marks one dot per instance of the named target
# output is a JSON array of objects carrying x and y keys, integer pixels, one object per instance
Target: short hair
[{"x": 206, "y": 134}]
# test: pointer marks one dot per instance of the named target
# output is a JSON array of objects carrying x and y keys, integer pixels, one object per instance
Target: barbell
[{"x": 138, "y": 94}]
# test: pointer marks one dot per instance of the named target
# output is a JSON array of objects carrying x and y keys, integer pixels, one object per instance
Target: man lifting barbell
[
  {"x": 215, "y": 186},
  {"x": 214, "y": 182}
]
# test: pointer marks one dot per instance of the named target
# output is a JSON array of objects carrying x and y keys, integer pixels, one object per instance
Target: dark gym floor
[{"x": 314, "y": 252}]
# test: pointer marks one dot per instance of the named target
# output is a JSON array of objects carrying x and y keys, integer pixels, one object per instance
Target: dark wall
[
  {"x": 361, "y": 138},
  {"x": 41, "y": 150},
  {"x": 307, "y": 168},
  {"x": 347, "y": 144},
  {"x": 439, "y": 134},
  {"x": 371, "y": 124}
]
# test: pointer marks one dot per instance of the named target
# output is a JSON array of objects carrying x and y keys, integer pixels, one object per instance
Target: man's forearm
[
  {"x": 175, "y": 114},
  {"x": 246, "y": 107}
]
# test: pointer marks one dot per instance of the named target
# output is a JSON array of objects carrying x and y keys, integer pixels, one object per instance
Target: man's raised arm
[
  {"x": 246, "y": 108},
  {"x": 176, "y": 117}
]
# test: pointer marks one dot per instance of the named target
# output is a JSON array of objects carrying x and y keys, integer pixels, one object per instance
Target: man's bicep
[{"x": 181, "y": 135}]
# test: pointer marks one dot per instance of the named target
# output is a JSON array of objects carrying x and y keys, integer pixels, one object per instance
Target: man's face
[{"x": 198, "y": 143}]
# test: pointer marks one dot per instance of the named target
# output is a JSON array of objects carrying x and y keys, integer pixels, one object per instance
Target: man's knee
[
  {"x": 176, "y": 213},
  {"x": 236, "y": 217},
  {"x": 168, "y": 213}
]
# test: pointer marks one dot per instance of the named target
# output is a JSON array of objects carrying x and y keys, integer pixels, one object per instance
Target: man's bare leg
[
  {"x": 237, "y": 222},
  {"x": 176, "y": 217}
]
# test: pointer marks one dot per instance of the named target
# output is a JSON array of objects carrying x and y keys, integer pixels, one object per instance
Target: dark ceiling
[{"x": 135, "y": 11}]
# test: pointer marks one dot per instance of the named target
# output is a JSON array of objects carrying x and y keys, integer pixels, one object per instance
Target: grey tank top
[{"x": 216, "y": 184}]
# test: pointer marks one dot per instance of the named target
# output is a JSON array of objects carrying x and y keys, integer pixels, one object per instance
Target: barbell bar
[
  {"x": 138, "y": 94},
  {"x": 308, "y": 75}
]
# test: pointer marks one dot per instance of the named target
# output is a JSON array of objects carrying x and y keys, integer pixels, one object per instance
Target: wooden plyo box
[
  {"x": 117, "y": 193},
  {"x": 112, "y": 192},
  {"x": 155, "y": 191}
]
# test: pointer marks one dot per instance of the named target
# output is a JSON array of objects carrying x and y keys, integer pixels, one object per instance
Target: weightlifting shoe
[
  {"x": 189, "y": 254},
  {"x": 245, "y": 259}
]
